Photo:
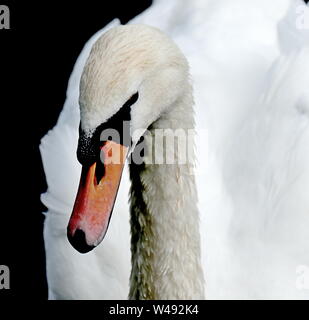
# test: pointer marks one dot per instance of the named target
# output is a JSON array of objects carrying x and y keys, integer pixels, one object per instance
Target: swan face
[{"x": 132, "y": 76}]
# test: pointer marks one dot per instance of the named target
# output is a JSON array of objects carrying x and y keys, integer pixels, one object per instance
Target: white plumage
[{"x": 250, "y": 70}]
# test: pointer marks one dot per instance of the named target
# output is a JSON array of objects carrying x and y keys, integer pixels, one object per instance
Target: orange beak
[{"x": 96, "y": 197}]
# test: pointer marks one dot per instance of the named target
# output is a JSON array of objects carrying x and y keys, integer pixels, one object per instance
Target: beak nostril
[
  {"x": 99, "y": 171},
  {"x": 78, "y": 241}
]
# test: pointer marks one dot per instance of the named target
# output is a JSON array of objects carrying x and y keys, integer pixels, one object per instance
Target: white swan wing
[{"x": 255, "y": 208}]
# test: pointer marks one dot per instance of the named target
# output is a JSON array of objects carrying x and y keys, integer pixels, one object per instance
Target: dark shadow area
[{"x": 37, "y": 57}]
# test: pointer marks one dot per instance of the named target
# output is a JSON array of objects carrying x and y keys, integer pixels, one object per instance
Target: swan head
[
  {"x": 129, "y": 60},
  {"x": 133, "y": 75}
]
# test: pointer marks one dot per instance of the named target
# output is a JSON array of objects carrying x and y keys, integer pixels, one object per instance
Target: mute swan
[{"x": 253, "y": 175}]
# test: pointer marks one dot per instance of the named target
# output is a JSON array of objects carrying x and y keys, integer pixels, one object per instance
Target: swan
[
  {"x": 140, "y": 69},
  {"x": 251, "y": 185}
]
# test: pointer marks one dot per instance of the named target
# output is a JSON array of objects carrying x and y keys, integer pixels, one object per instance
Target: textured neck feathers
[{"x": 164, "y": 220}]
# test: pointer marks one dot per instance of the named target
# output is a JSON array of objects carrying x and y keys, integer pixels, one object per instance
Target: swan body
[{"x": 252, "y": 173}]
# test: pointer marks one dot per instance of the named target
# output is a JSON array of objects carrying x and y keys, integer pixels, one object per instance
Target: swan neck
[{"x": 165, "y": 242}]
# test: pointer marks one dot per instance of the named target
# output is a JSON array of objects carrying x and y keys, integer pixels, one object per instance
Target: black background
[{"x": 36, "y": 58}]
